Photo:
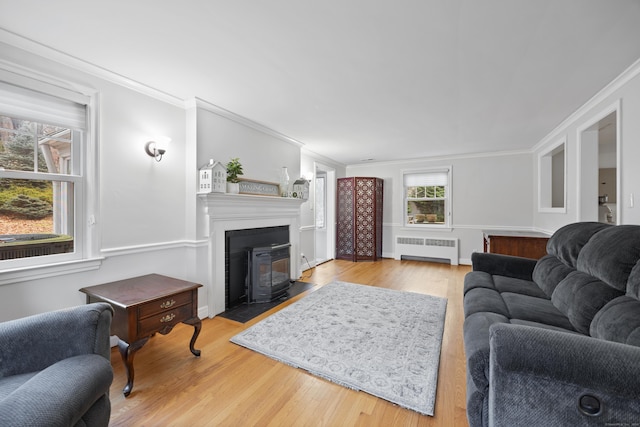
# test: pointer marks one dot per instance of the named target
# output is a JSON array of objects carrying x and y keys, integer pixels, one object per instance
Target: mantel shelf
[
  {"x": 224, "y": 206},
  {"x": 244, "y": 199}
]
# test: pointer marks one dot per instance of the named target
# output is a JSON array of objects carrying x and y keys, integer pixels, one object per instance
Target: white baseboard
[{"x": 203, "y": 312}]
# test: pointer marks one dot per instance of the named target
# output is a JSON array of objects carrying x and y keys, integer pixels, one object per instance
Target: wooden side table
[{"x": 144, "y": 306}]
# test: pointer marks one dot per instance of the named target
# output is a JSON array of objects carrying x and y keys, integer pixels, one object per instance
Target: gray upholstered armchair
[{"x": 55, "y": 368}]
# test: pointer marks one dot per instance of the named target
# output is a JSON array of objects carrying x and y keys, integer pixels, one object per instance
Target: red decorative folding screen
[{"x": 359, "y": 228}]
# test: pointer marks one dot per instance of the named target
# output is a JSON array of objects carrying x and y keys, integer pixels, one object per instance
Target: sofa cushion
[
  {"x": 579, "y": 296},
  {"x": 518, "y": 286},
  {"x": 478, "y": 279},
  {"x": 503, "y": 265},
  {"x": 550, "y": 271},
  {"x": 618, "y": 321},
  {"x": 567, "y": 242},
  {"x": 480, "y": 300},
  {"x": 540, "y": 310},
  {"x": 541, "y": 325},
  {"x": 611, "y": 254}
]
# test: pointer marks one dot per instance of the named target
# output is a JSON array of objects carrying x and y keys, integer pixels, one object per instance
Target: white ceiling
[{"x": 358, "y": 79}]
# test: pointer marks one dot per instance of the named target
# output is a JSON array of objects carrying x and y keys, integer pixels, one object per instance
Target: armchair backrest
[{"x": 35, "y": 342}]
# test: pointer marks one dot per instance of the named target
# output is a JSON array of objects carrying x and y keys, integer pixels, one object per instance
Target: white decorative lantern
[
  {"x": 213, "y": 178},
  {"x": 301, "y": 189}
]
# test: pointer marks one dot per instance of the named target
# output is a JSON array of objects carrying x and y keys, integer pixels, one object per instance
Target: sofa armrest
[
  {"x": 58, "y": 395},
  {"x": 35, "y": 342},
  {"x": 541, "y": 377},
  {"x": 503, "y": 265}
]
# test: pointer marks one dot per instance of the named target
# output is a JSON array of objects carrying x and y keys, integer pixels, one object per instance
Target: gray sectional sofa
[{"x": 556, "y": 342}]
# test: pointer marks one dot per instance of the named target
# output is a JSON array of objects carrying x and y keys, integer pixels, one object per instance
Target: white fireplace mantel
[
  {"x": 245, "y": 206},
  {"x": 241, "y": 211}
]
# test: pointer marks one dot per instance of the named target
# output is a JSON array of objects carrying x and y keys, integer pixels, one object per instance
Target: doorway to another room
[
  {"x": 324, "y": 209},
  {"x": 599, "y": 172}
]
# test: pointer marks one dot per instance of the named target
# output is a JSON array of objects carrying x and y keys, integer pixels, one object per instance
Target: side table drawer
[
  {"x": 156, "y": 323},
  {"x": 164, "y": 304}
]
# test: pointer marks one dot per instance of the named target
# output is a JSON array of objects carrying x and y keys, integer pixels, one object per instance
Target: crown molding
[
  {"x": 322, "y": 159},
  {"x": 625, "y": 77},
  {"x": 65, "y": 59},
  {"x": 442, "y": 158},
  {"x": 196, "y": 102}
]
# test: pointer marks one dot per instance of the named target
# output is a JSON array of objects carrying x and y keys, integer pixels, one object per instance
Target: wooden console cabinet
[
  {"x": 144, "y": 306},
  {"x": 527, "y": 244}
]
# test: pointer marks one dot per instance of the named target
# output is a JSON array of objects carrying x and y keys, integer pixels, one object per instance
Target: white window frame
[
  {"x": 548, "y": 179},
  {"x": 447, "y": 200},
  {"x": 85, "y": 183}
]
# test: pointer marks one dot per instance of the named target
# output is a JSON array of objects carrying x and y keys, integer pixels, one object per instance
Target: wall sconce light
[{"x": 157, "y": 148}]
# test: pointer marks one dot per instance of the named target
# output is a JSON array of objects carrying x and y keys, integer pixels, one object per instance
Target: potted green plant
[{"x": 234, "y": 170}]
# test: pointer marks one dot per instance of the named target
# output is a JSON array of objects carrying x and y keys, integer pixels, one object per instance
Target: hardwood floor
[{"x": 232, "y": 386}]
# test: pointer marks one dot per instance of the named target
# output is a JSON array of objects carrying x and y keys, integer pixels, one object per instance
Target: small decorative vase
[
  {"x": 233, "y": 187},
  {"x": 284, "y": 182}
]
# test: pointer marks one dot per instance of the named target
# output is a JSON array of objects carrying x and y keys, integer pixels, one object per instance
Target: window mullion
[{"x": 35, "y": 148}]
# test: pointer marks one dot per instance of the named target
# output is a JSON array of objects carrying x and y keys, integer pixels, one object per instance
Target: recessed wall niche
[{"x": 552, "y": 178}]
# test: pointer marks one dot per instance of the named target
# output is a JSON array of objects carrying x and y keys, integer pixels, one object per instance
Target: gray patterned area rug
[{"x": 381, "y": 341}]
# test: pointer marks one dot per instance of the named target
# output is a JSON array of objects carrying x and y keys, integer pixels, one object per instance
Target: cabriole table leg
[
  {"x": 197, "y": 325},
  {"x": 127, "y": 351}
]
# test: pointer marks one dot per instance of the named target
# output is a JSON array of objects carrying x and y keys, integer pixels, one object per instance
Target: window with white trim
[
  {"x": 427, "y": 198},
  {"x": 43, "y": 137}
]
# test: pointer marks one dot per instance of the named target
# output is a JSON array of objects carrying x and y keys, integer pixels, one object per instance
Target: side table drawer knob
[
  {"x": 168, "y": 304},
  {"x": 167, "y": 318}
]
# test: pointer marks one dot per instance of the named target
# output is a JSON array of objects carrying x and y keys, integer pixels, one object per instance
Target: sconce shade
[{"x": 157, "y": 148}]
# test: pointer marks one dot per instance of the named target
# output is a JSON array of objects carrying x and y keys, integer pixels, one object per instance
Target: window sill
[
  {"x": 23, "y": 274},
  {"x": 553, "y": 210},
  {"x": 426, "y": 227}
]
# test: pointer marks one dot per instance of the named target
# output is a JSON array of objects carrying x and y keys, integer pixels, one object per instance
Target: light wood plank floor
[{"x": 232, "y": 386}]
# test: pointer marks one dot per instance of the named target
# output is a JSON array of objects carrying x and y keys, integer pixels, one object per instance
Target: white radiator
[{"x": 427, "y": 247}]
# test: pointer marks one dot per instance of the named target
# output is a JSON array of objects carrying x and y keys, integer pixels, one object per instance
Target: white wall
[
  {"x": 141, "y": 215},
  {"x": 138, "y": 195},
  {"x": 149, "y": 217},
  {"x": 622, "y": 93},
  {"x": 489, "y": 192},
  {"x": 262, "y": 152},
  {"x": 308, "y": 163}
]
